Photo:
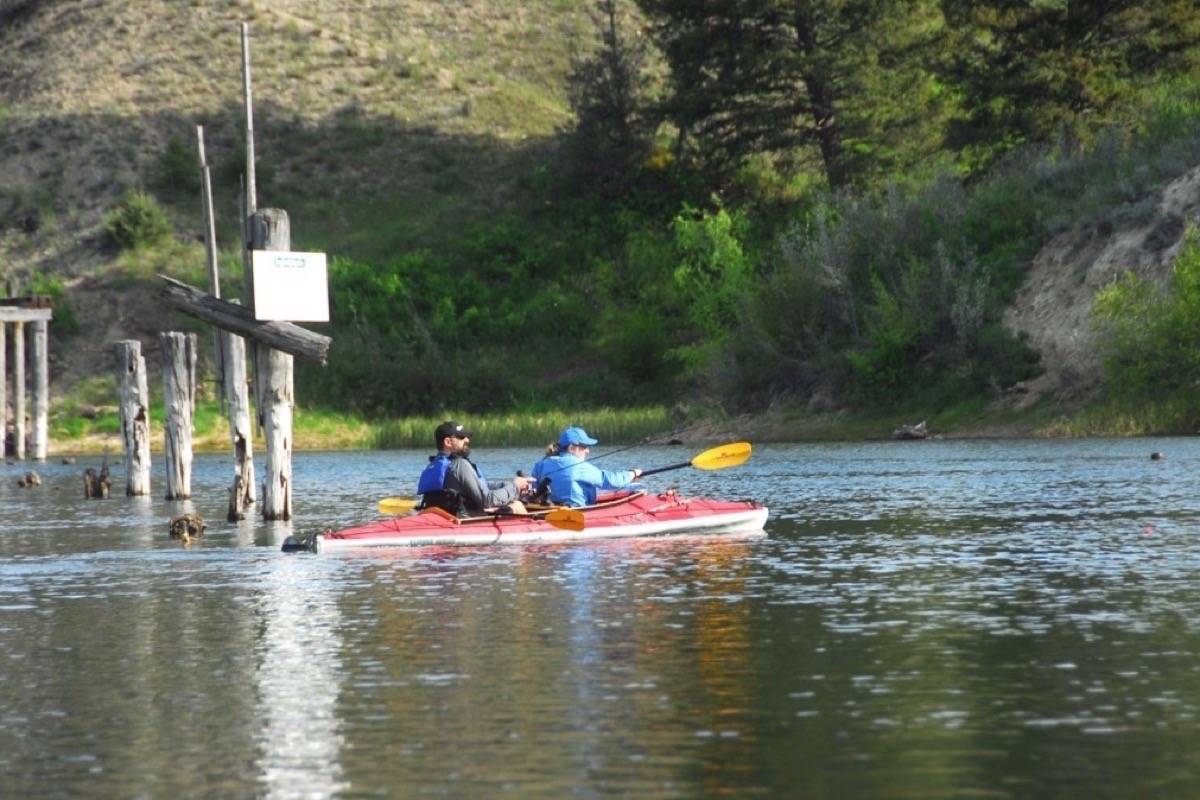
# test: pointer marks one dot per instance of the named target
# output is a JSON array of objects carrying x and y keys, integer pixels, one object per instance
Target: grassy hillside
[
  {"x": 380, "y": 127},
  {"x": 384, "y": 118}
]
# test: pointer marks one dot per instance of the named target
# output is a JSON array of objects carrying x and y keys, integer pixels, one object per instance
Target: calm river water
[{"x": 924, "y": 620}]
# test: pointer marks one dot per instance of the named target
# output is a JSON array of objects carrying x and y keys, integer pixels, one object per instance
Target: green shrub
[
  {"x": 1149, "y": 336},
  {"x": 178, "y": 170},
  {"x": 65, "y": 322},
  {"x": 137, "y": 221}
]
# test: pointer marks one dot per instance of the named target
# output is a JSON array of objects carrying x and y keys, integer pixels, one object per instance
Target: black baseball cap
[{"x": 449, "y": 428}]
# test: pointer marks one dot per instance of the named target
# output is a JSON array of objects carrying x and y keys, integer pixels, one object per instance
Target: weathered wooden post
[
  {"x": 179, "y": 397},
  {"x": 135, "y": 416},
  {"x": 18, "y": 311},
  {"x": 41, "y": 388},
  {"x": 3, "y": 388},
  {"x": 230, "y": 357},
  {"x": 271, "y": 230},
  {"x": 19, "y": 390},
  {"x": 237, "y": 401}
]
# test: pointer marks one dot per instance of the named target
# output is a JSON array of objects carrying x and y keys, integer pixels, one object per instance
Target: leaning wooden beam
[{"x": 284, "y": 336}]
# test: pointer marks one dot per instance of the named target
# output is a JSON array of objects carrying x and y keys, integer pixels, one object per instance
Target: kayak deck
[{"x": 617, "y": 516}]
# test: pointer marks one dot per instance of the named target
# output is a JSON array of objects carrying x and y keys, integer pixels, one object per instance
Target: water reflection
[
  {"x": 298, "y": 681},
  {"x": 945, "y": 619}
]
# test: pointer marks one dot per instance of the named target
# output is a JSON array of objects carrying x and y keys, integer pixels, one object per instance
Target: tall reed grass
[{"x": 609, "y": 425}]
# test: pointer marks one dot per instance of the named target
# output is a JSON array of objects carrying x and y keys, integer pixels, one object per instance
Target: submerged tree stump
[
  {"x": 236, "y": 493},
  {"x": 96, "y": 487}
]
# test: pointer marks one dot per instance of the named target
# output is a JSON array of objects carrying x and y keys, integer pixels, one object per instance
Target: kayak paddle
[
  {"x": 566, "y": 518},
  {"x": 397, "y": 505},
  {"x": 720, "y": 457}
]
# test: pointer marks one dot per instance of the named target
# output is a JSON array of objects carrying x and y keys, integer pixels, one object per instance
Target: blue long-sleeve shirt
[{"x": 575, "y": 482}]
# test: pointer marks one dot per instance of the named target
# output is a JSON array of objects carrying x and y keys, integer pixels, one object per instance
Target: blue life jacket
[
  {"x": 433, "y": 477},
  {"x": 431, "y": 484}
]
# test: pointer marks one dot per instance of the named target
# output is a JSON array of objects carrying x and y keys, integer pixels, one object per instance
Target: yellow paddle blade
[
  {"x": 566, "y": 518},
  {"x": 726, "y": 455},
  {"x": 397, "y": 505}
]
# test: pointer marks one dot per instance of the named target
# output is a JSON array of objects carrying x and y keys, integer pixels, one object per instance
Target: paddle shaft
[{"x": 665, "y": 469}]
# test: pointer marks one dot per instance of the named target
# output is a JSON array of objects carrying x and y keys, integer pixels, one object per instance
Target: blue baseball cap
[{"x": 574, "y": 435}]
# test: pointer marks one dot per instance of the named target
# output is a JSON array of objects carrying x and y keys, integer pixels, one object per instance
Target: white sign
[{"x": 290, "y": 286}]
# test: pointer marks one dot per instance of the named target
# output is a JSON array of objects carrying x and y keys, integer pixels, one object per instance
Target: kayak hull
[{"x": 635, "y": 515}]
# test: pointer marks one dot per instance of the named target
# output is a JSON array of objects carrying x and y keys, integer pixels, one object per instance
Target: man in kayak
[
  {"x": 573, "y": 481},
  {"x": 452, "y": 481}
]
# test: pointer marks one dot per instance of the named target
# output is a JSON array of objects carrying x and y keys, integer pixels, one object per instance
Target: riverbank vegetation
[{"x": 752, "y": 206}]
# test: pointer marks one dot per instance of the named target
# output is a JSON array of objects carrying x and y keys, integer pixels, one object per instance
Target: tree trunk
[
  {"x": 135, "y": 416},
  {"x": 822, "y": 98}
]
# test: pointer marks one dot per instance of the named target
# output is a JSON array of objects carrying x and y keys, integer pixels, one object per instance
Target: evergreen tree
[
  {"x": 607, "y": 91},
  {"x": 840, "y": 77},
  {"x": 1026, "y": 70}
]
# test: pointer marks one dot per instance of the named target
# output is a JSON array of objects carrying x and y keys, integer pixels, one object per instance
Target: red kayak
[{"x": 615, "y": 516}]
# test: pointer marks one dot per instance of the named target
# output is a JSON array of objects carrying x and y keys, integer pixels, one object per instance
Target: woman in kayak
[
  {"x": 452, "y": 481},
  {"x": 573, "y": 481}
]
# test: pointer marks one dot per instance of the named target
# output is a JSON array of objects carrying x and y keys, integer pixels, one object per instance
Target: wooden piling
[
  {"x": 275, "y": 409},
  {"x": 135, "y": 416},
  {"x": 41, "y": 388},
  {"x": 274, "y": 393},
  {"x": 3, "y": 388},
  {"x": 17, "y": 312},
  {"x": 19, "y": 390},
  {"x": 179, "y": 397},
  {"x": 237, "y": 400}
]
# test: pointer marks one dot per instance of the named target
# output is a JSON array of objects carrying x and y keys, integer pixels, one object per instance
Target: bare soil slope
[{"x": 1054, "y": 305}]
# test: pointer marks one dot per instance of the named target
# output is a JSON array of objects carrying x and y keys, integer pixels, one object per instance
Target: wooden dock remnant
[
  {"x": 270, "y": 229},
  {"x": 15, "y": 314},
  {"x": 135, "y": 416},
  {"x": 179, "y": 399},
  {"x": 285, "y": 336},
  {"x": 237, "y": 401}
]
